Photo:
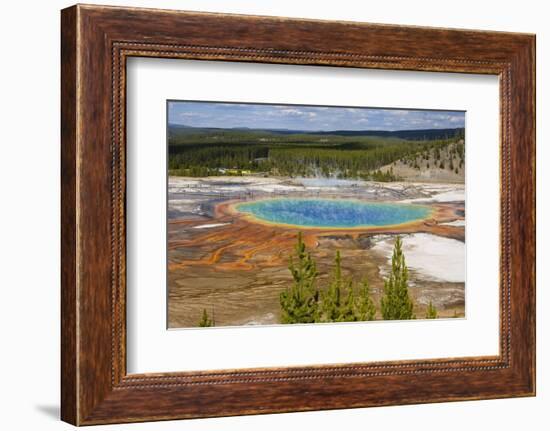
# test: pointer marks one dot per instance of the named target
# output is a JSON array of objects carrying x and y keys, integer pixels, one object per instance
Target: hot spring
[{"x": 332, "y": 213}]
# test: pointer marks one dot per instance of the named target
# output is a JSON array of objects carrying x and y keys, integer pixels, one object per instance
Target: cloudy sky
[{"x": 227, "y": 115}]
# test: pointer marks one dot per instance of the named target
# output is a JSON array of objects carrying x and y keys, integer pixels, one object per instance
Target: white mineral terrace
[{"x": 432, "y": 257}]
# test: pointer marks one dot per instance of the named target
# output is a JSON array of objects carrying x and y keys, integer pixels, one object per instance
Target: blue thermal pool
[{"x": 332, "y": 213}]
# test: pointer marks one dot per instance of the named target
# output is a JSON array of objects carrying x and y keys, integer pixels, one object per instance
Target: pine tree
[
  {"x": 299, "y": 302},
  {"x": 364, "y": 305},
  {"x": 331, "y": 298},
  {"x": 205, "y": 320},
  {"x": 396, "y": 303},
  {"x": 346, "y": 313},
  {"x": 431, "y": 311}
]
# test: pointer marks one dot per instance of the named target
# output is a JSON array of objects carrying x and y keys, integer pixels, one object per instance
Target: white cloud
[
  {"x": 291, "y": 111},
  {"x": 399, "y": 113},
  {"x": 191, "y": 114}
]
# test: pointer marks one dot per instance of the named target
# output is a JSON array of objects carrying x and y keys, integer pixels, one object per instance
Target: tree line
[{"x": 343, "y": 157}]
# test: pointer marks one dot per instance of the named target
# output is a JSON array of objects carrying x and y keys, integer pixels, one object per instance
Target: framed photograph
[{"x": 264, "y": 214}]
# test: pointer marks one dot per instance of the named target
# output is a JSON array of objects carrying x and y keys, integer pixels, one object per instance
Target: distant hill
[
  {"x": 444, "y": 164},
  {"x": 411, "y": 135}
]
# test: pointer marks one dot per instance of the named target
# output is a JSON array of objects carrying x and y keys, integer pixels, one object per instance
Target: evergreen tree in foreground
[
  {"x": 364, "y": 305},
  {"x": 396, "y": 304},
  {"x": 299, "y": 302},
  {"x": 331, "y": 298},
  {"x": 431, "y": 311},
  {"x": 205, "y": 320},
  {"x": 347, "y": 313}
]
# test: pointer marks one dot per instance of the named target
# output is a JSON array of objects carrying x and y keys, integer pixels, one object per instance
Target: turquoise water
[{"x": 333, "y": 213}]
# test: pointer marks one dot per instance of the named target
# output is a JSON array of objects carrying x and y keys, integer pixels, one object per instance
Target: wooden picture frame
[{"x": 95, "y": 43}]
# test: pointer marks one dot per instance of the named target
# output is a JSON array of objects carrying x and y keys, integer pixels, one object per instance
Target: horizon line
[{"x": 313, "y": 130}]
